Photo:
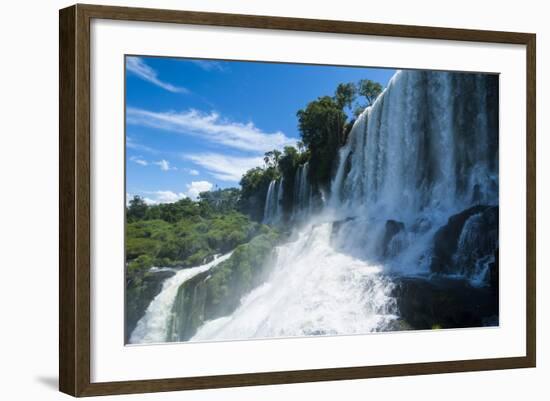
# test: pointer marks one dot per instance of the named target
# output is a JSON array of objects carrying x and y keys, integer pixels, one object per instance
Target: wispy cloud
[
  {"x": 164, "y": 165},
  {"x": 209, "y": 65},
  {"x": 211, "y": 127},
  {"x": 225, "y": 168},
  {"x": 132, "y": 144},
  {"x": 139, "y": 160},
  {"x": 138, "y": 67}
]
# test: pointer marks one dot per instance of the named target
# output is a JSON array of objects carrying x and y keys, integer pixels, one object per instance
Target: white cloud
[
  {"x": 150, "y": 201},
  {"x": 225, "y": 168},
  {"x": 196, "y": 187},
  {"x": 209, "y": 65},
  {"x": 164, "y": 165},
  {"x": 139, "y": 160},
  {"x": 192, "y": 171},
  {"x": 169, "y": 196},
  {"x": 138, "y": 67},
  {"x": 211, "y": 127},
  {"x": 165, "y": 196}
]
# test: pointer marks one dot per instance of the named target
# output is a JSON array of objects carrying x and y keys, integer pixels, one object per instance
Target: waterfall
[
  {"x": 303, "y": 194},
  {"x": 280, "y": 194},
  {"x": 426, "y": 150},
  {"x": 313, "y": 290},
  {"x": 153, "y": 326},
  {"x": 422, "y": 153},
  {"x": 427, "y": 143},
  {"x": 273, "y": 202},
  {"x": 270, "y": 200},
  {"x": 415, "y": 193}
]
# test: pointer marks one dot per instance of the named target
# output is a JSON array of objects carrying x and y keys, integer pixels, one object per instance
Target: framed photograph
[{"x": 250, "y": 200}]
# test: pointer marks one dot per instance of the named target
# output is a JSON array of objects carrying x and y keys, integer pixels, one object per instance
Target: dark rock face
[
  {"x": 445, "y": 303},
  {"x": 139, "y": 294},
  {"x": 469, "y": 238},
  {"x": 393, "y": 228}
]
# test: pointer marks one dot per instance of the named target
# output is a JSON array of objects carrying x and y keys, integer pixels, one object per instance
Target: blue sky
[{"x": 194, "y": 125}]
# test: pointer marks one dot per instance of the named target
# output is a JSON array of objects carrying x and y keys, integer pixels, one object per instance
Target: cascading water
[
  {"x": 414, "y": 192},
  {"x": 428, "y": 143},
  {"x": 313, "y": 290},
  {"x": 153, "y": 327},
  {"x": 303, "y": 193},
  {"x": 270, "y": 201},
  {"x": 424, "y": 151},
  {"x": 280, "y": 194},
  {"x": 273, "y": 202}
]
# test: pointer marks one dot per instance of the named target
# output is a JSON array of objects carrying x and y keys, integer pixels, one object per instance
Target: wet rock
[
  {"x": 392, "y": 228},
  {"x": 479, "y": 240},
  {"x": 445, "y": 303}
]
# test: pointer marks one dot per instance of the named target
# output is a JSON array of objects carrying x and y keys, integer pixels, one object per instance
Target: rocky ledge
[{"x": 440, "y": 302}]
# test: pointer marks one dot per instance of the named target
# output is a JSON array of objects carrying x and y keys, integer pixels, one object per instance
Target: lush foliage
[
  {"x": 187, "y": 242},
  {"x": 180, "y": 234},
  {"x": 321, "y": 124},
  {"x": 185, "y": 233}
]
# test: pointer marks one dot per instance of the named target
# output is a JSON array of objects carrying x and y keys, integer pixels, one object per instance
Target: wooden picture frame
[{"x": 75, "y": 207}]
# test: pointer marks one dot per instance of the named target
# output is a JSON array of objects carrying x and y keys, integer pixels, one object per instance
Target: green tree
[
  {"x": 271, "y": 158},
  {"x": 370, "y": 90},
  {"x": 321, "y": 126},
  {"x": 345, "y": 95},
  {"x": 137, "y": 209},
  {"x": 220, "y": 200},
  {"x": 254, "y": 185}
]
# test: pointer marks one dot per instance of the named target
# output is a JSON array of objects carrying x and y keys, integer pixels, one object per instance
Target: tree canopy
[{"x": 321, "y": 125}]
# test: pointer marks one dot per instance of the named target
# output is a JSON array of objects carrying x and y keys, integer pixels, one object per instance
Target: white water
[
  {"x": 423, "y": 152},
  {"x": 418, "y": 149},
  {"x": 420, "y": 154},
  {"x": 153, "y": 326},
  {"x": 313, "y": 289},
  {"x": 302, "y": 202},
  {"x": 273, "y": 202},
  {"x": 410, "y": 161}
]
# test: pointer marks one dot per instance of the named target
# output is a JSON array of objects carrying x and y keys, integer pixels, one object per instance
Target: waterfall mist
[
  {"x": 414, "y": 193},
  {"x": 313, "y": 290}
]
